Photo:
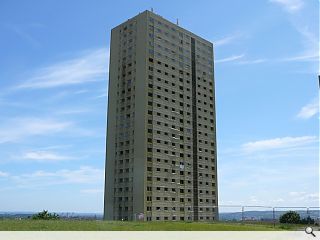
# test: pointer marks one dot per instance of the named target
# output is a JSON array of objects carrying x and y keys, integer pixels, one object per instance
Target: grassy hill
[{"x": 91, "y": 225}]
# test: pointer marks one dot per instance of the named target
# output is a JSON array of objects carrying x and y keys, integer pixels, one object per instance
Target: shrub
[
  {"x": 290, "y": 217},
  {"x": 307, "y": 220},
  {"x": 45, "y": 215}
]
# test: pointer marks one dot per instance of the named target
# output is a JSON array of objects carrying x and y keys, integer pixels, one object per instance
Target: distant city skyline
[{"x": 53, "y": 99}]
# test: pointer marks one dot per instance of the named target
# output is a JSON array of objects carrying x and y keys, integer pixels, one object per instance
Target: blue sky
[{"x": 53, "y": 98}]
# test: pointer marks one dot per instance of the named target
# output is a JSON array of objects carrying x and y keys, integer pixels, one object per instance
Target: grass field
[{"x": 91, "y": 225}]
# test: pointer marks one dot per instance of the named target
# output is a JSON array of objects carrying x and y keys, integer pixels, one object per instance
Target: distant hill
[
  {"x": 87, "y": 216},
  {"x": 230, "y": 216},
  {"x": 263, "y": 215}
]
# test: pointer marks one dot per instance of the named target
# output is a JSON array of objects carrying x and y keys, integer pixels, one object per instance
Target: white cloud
[
  {"x": 309, "y": 110},
  {"x": 92, "y": 190},
  {"x": 312, "y": 197},
  {"x": 18, "y": 129},
  {"x": 278, "y": 200},
  {"x": 83, "y": 175},
  {"x": 291, "y": 6},
  {"x": 301, "y": 58},
  {"x": 21, "y": 30},
  {"x": 55, "y": 147},
  {"x": 44, "y": 156},
  {"x": 243, "y": 62},
  {"x": 81, "y": 91},
  {"x": 89, "y": 67},
  {"x": 226, "y": 40},
  {"x": 310, "y": 39},
  {"x": 73, "y": 111},
  {"x": 4, "y": 174},
  {"x": 295, "y": 194},
  {"x": 278, "y": 143},
  {"x": 230, "y": 59},
  {"x": 254, "y": 61},
  {"x": 104, "y": 95},
  {"x": 310, "y": 44},
  {"x": 253, "y": 199},
  {"x": 223, "y": 41},
  {"x": 303, "y": 196},
  {"x": 306, "y": 29}
]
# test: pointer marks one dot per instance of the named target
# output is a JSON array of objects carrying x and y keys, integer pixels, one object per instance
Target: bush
[
  {"x": 45, "y": 215},
  {"x": 307, "y": 220},
  {"x": 290, "y": 217}
]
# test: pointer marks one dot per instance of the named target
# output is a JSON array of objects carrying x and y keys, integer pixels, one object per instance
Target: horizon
[{"x": 299, "y": 210}]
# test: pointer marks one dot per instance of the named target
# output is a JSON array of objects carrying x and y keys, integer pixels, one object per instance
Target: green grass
[{"x": 91, "y": 225}]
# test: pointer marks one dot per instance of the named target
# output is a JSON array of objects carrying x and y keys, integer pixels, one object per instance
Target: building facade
[{"x": 161, "y": 159}]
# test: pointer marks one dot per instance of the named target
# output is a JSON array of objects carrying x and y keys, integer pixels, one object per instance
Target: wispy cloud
[
  {"x": 278, "y": 143},
  {"x": 306, "y": 29},
  {"x": 52, "y": 147},
  {"x": 83, "y": 175},
  {"x": 104, "y": 95},
  {"x": 229, "y": 59},
  {"x": 4, "y": 174},
  {"x": 301, "y": 58},
  {"x": 304, "y": 196},
  {"x": 278, "y": 200},
  {"x": 310, "y": 36},
  {"x": 44, "y": 156},
  {"x": 240, "y": 60},
  {"x": 92, "y": 191},
  {"x": 22, "y": 32},
  {"x": 309, "y": 110},
  {"x": 73, "y": 111},
  {"x": 81, "y": 91},
  {"x": 310, "y": 44},
  {"x": 254, "y": 61},
  {"x": 91, "y": 66},
  {"x": 226, "y": 40},
  {"x": 20, "y": 128},
  {"x": 291, "y": 6}
]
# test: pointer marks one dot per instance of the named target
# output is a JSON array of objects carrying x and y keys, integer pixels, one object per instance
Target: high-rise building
[{"x": 161, "y": 160}]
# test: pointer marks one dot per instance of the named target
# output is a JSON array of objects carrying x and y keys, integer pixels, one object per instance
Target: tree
[
  {"x": 290, "y": 217},
  {"x": 45, "y": 215}
]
